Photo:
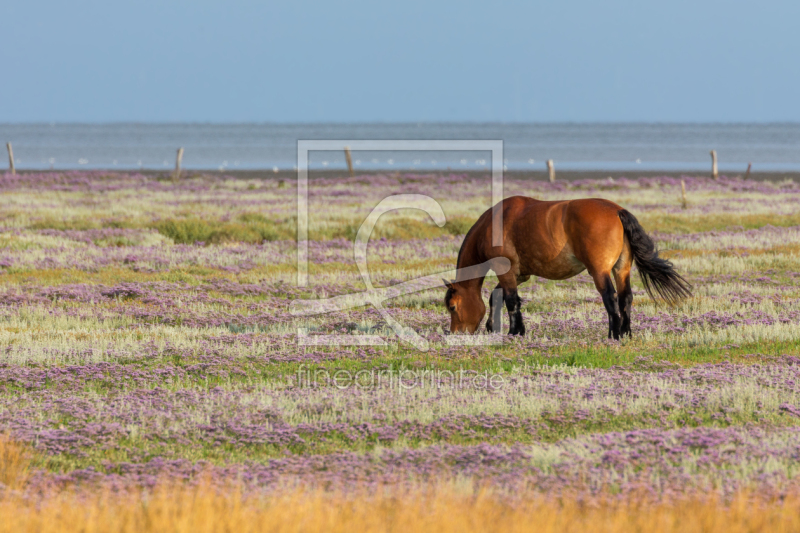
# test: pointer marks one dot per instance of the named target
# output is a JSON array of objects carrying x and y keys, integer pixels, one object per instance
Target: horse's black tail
[{"x": 658, "y": 275}]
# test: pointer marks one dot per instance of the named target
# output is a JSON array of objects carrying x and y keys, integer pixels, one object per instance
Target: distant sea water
[{"x": 770, "y": 147}]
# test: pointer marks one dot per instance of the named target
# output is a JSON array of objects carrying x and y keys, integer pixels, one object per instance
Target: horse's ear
[{"x": 448, "y": 284}]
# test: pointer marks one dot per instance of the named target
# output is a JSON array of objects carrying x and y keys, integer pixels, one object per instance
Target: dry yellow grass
[
  {"x": 434, "y": 507},
  {"x": 15, "y": 461},
  {"x": 203, "y": 509}
]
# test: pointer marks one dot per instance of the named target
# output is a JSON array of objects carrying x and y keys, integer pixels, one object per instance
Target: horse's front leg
[
  {"x": 514, "y": 307},
  {"x": 513, "y": 302},
  {"x": 495, "y": 321}
]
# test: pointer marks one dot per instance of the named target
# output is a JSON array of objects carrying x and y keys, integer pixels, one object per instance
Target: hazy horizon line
[{"x": 409, "y": 122}]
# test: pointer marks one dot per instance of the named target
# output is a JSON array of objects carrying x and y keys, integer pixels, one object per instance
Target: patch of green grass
[
  {"x": 258, "y": 369},
  {"x": 692, "y": 223},
  {"x": 248, "y": 227},
  {"x": 79, "y": 223},
  {"x": 392, "y": 228}
]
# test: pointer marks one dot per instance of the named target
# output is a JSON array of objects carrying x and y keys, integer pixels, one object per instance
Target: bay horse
[{"x": 558, "y": 240}]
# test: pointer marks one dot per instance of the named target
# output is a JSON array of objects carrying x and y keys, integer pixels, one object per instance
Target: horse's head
[{"x": 465, "y": 306}]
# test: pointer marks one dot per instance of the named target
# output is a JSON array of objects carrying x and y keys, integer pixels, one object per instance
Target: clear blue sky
[{"x": 412, "y": 60}]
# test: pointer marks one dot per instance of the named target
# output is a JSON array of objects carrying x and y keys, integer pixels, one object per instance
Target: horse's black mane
[{"x": 466, "y": 237}]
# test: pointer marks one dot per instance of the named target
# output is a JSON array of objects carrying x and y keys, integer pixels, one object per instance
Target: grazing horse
[{"x": 559, "y": 240}]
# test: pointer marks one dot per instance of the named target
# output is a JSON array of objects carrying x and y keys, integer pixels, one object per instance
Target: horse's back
[
  {"x": 595, "y": 231},
  {"x": 554, "y": 239},
  {"x": 557, "y": 239},
  {"x": 560, "y": 218},
  {"x": 535, "y": 239}
]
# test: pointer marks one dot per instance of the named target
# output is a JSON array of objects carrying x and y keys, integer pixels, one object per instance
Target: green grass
[
  {"x": 693, "y": 223},
  {"x": 248, "y": 228},
  {"x": 252, "y": 227}
]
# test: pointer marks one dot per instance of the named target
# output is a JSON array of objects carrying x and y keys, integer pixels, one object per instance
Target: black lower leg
[
  {"x": 625, "y": 301},
  {"x": 495, "y": 321},
  {"x": 514, "y": 306},
  {"x": 611, "y": 304}
]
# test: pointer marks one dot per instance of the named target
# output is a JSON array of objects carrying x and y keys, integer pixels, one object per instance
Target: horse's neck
[{"x": 468, "y": 256}]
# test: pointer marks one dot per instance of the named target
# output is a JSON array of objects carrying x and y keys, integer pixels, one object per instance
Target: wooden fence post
[
  {"x": 349, "y": 159},
  {"x": 714, "y": 172},
  {"x": 747, "y": 174},
  {"x": 683, "y": 194},
  {"x": 552, "y": 170},
  {"x": 178, "y": 159},
  {"x": 11, "y": 159}
]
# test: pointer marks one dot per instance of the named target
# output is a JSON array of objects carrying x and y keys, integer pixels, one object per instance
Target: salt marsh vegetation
[{"x": 146, "y": 336}]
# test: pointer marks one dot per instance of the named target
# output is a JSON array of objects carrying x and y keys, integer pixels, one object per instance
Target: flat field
[{"x": 147, "y": 339}]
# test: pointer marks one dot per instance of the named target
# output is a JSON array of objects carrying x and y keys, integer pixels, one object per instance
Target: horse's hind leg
[
  {"x": 625, "y": 296},
  {"x": 602, "y": 280}
]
